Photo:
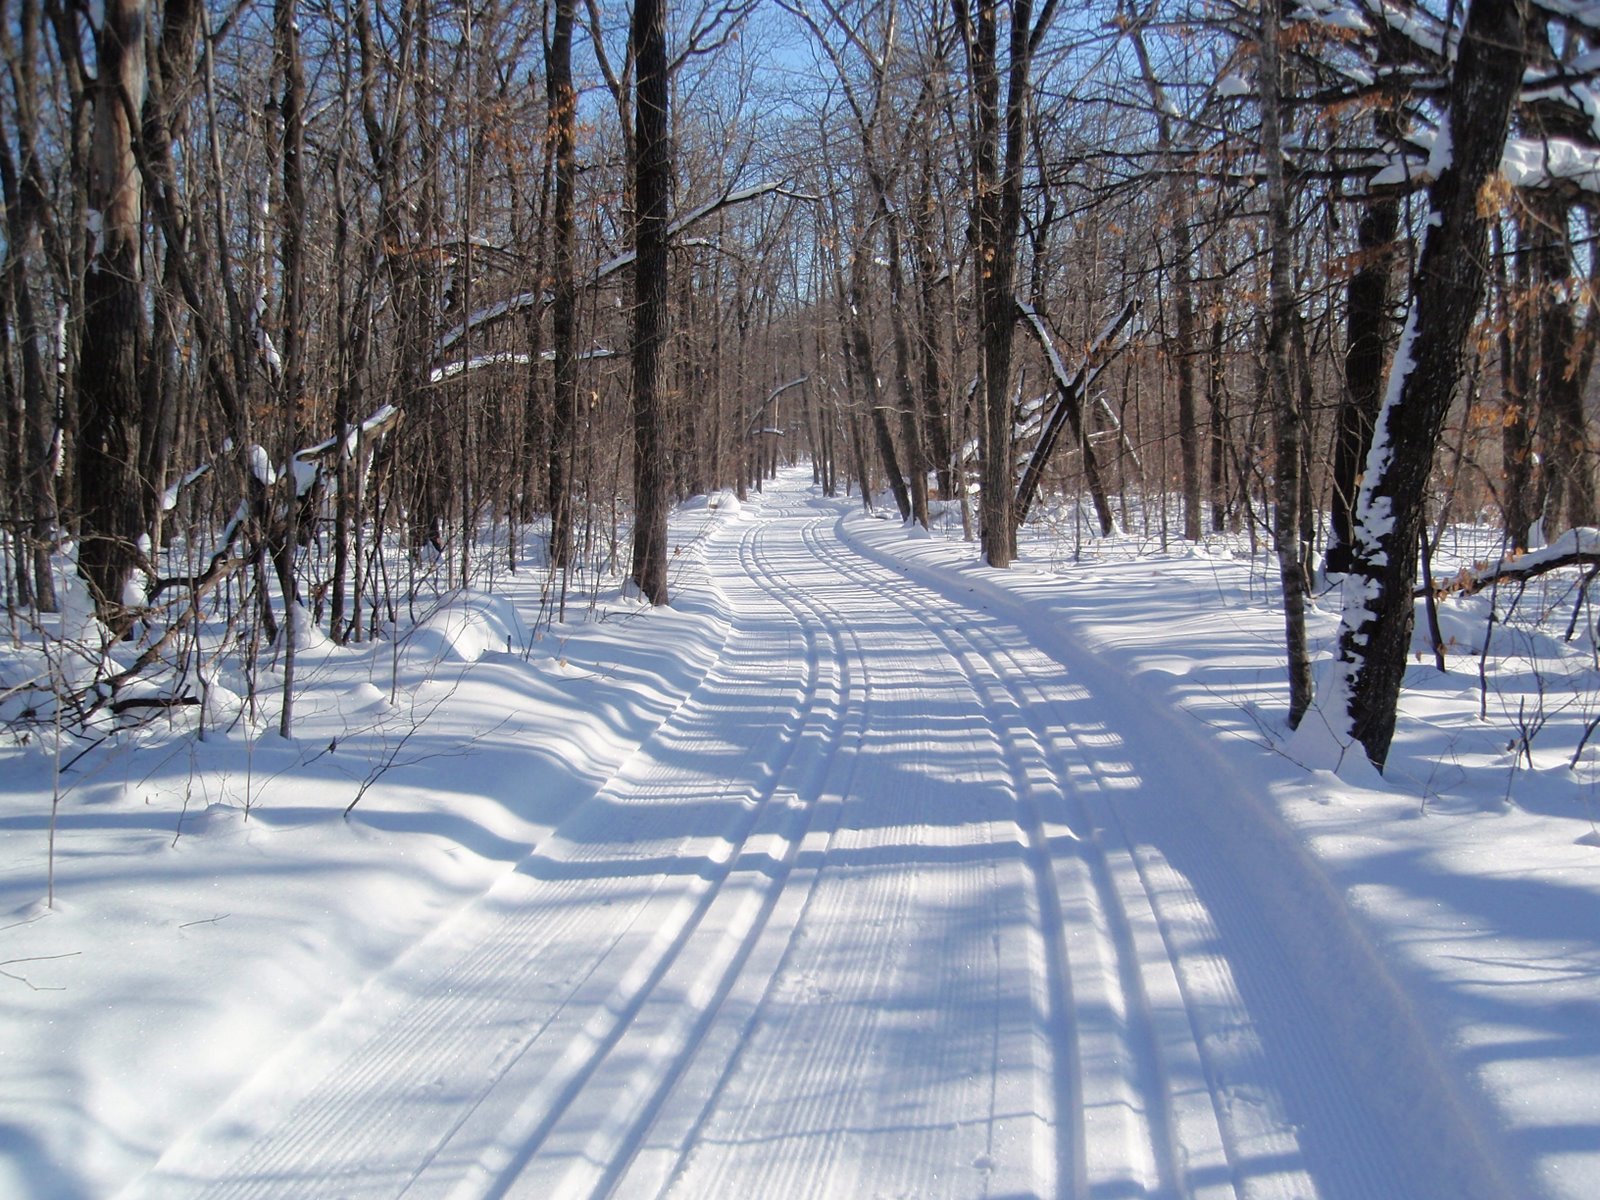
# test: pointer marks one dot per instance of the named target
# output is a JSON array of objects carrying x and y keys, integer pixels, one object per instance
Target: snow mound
[{"x": 469, "y": 627}]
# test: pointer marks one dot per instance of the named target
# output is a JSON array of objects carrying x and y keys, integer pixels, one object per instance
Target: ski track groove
[
  {"x": 1129, "y": 1148},
  {"x": 1200, "y": 1143},
  {"x": 1058, "y": 1130},
  {"x": 496, "y": 1170},
  {"x": 817, "y": 1059},
  {"x": 592, "y": 1162},
  {"x": 833, "y": 963},
  {"x": 653, "y": 1169},
  {"x": 1318, "y": 1118},
  {"x": 440, "y": 1036}
]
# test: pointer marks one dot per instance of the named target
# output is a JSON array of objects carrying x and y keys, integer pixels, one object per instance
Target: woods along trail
[{"x": 909, "y": 897}]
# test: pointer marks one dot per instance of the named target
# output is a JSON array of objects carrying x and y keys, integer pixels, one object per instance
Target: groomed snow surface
[{"x": 860, "y": 871}]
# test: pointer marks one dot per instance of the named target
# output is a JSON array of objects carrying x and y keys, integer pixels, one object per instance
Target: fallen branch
[
  {"x": 1071, "y": 390},
  {"x": 121, "y": 706},
  {"x": 760, "y": 410},
  {"x": 1575, "y": 548},
  {"x": 23, "y": 979}
]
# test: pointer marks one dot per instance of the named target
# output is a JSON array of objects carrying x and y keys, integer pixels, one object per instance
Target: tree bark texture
[
  {"x": 113, "y": 335},
  {"x": 564, "y": 308},
  {"x": 652, "y": 199},
  {"x": 1283, "y": 315},
  {"x": 1375, "y": 632}
]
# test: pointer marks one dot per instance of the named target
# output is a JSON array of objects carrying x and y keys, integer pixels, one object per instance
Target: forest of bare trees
[{"x": 307, "y": 305}]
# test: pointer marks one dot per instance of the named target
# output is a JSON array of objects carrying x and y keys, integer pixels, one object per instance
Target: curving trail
[{"x": 895, "y": 904}]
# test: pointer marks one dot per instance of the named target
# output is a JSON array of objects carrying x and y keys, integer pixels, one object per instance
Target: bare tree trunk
[
  {"x": 24, "y": 194},
  {"x": 1182, "y": 354},
  {"x": 996, "y": 222},
  {"x": 866, "y": 370},
  {"x": 1516, "y": 419},
  {"x": 1562, "y": 370},
  {"x": 652, "y": 174},
  {"x": 32, "y": 445},
  {"x": 910, "y": 430},
  {"x": 113, "y": 336},
  {"x": 292, "y": 218},
  {"x": 563, "y": 106},
  {"x": 1286, "y": 398},
  {"x": 1216, "y": 403},
  {"x": 932, "y": 285},
  {"x": 1375, "y": 627},
  {"x": 1367, "y": 298}
]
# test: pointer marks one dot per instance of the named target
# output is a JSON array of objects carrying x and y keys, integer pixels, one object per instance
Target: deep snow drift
[{"x": 862, "y": 870}]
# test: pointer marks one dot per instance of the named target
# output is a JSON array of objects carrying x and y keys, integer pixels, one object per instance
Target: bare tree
[
  {"x": 113, "y": 335},
  {"x": 652, "y": 192},
  {"x": 996, "y": 191},
  {"x": 1376, "y": 623}
]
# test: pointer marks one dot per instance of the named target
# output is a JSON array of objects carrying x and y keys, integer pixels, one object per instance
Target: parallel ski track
[
  {"x": 1150, "y": 1111},
  {"x": 812, "y": 1085},
  {"x": 796, "y": 871},
  {"x": 506, "y": 1033},
  {"x": 1113, "y": 1064},
  {"x": 727, "y": 974},
  {"x": 1306, "y": 1121}
]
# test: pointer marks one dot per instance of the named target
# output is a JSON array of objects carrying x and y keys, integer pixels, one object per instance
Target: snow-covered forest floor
[{"x": 860, "y": 870}]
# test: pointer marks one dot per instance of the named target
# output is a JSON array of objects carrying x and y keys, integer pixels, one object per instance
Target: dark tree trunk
[
  {"x": 34, "y": 427},
  {"x": 931, "y": 288},
  {"x": 1375, "y": 632},
  {"x": 1562, "y": 374},
  {"x": 1365, "y": 348},
  {"x": 564, "y": 309},
  {"x": 1367, "y": 336},
  {"x": 165, "y": 122},
  {"x": 292, "y": 256},
  {"x": 1286, "y": 399},
  {"x": 1182, "y": 353},
  {"x": 1216, "y": 401},
  {"x": 910, "y": 429},
  {"x": 866, "y": 371},
  {"x": 996, "y": 221},
  {"x": 112, "y": 341},
  {"x": 652, "y": 173}
]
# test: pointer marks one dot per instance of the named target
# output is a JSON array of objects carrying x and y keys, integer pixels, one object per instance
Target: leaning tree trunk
[
  {"x": 1376, "y": 623},
  {"x": 652, "y": 173},
  {"x": 112, "y": 334}
]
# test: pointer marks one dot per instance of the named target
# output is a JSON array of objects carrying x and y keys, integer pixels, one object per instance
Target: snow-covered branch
[
  {"x": 1071, "y": 390},
  {"x": 507, "y": 358},
  {"x": 492, "y": 314},
  {"x": 1576, "y": 548},
  {"x": 755, "y": 417}
]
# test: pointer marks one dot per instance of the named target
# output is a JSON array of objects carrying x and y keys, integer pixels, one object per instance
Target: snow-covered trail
[{"x": 903, "y": 900}]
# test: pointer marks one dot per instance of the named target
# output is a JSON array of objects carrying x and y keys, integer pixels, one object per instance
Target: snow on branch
[
  {"x": 755, "y": 417},
  {"x": 507, "y": 358},
  {"x": 1526, "y": 163},
  {"x": 1071, "y": 391},
  {"x": 491, "y": 314},
  {"x": 1576, "y": 548}
]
